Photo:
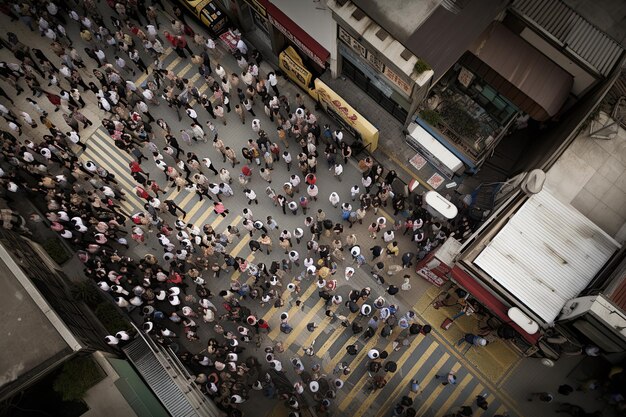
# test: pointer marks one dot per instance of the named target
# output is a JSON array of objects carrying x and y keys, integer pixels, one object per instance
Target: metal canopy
[{"x": 546, "y": 254}]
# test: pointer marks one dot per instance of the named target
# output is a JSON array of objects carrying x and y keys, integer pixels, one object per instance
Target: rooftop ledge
[{"x": 393, "y": 50}]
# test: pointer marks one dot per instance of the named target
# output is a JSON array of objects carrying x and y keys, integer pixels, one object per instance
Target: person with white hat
[
  {"x": 148, "y": 326},
  {"x": 366, "y": 310},
  {"x": 314, "y": 386},
  {"x": 121, "y": 302},
  {"x": 111, "y": 340},
  {"x": 122, "y": 335},
  {"x": 276, "y": 365},
  {"x": 373, "y": 354}
]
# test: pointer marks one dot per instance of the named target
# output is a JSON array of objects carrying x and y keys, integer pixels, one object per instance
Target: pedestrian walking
[
  {"x": 220, "y": 209},
  {"x": 251, "y": 196},
  {"x": 450, "y": 378}
]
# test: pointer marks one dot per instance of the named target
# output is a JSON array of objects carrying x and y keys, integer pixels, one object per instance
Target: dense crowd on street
[{"x": 170, "y": 287}]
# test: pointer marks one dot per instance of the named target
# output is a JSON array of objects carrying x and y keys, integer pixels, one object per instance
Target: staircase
[{"x": 168, "y": 379}]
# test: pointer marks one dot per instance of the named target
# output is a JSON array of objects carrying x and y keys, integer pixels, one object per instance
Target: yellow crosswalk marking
[
  {"x": 186, "y": 199},
  {"x": 203, "y": 218},
  {"x": 184, "y": 71},
  {"x": 144, "y": 76},
  {"x": 173, "y": 193},
  {"x": 292, "y": 312},
  {"x": 201, "y": 90},
  {"x": 312, "y": 336},
  {"x": 353, "y": 362},
  {"x": 456, "y": 393},
  {"x": 403, "y": 358},
  {"x": 416, "y": 366},
  {"x": 433, "y": 395},
  {"x": 501, "y": 410},
  {"x": 401, "y": 387},
  {"x": 504, "y": 397},
  {"x": 244, "y": 241},
  {"x": 174, "y": 63},
  {"x": 303, "y": 297},
  {"x": 132, "y": 201},
  {"x": 331, "y": 340},
  {"x": 303, "y": 321},
  {"x": 191, "y": 213},
  {"x": 106, "y": 142},
  {"x": 217, "y": 221}
]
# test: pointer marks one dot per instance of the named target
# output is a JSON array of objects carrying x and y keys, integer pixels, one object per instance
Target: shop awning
[
  {"x": 520, "y": 72},
  {"x": 487, "y": 299},
  {"x": 545, "y": 255},
  {"x": 298, "y": 36}
]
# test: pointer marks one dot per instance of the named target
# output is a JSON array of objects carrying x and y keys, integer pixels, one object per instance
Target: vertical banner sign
[{"x": 291, "y": 64}]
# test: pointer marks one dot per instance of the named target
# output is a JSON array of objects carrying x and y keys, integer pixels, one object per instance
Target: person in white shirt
[
  {"x": 337, "y": 171},
  {"x": 354, "y": 192},
  {"x": 242, "y": 48},
  {"x": 294, "y": 180},
  {"x": 273, "y": 81},
  {"x": 102, "y": 58},
  {"x": 51, "y": 34},
  {"x": 220, "y": 71},
  {"x": 192, "y": 114},
  {"x": 121, "y": 64},
  {"x": 251, "y": 196},
  {"x": 338, "y": 136}
]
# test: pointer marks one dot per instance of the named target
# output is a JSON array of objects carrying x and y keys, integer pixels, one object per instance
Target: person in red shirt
[
  {"x": 262, "y": 324},
  {"x": 246, "y": 171},
  {"x": 310, "y": 179},
  {"x": 136, "y": 168},
  {"x": 154, "y": 187},
  {"x": 142, "y": 193},
  {"x": 176, "y": 43}
]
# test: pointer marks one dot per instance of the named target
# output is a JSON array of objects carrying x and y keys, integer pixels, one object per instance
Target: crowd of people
[{"x": 171, "y": 288}]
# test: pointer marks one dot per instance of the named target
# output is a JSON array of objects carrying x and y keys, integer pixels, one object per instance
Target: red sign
[
  {"x": 298, "y": 36},
  {"x": 433, "y": 270}
]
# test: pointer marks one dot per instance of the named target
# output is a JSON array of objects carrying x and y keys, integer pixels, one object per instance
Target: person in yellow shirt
[{"x": 393, "y": 249}]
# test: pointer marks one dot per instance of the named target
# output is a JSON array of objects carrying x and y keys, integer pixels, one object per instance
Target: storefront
[
  {"x": 428, "y": 143},
  {"x": 257, "y": 10},
  {"x": 388, "y": 86},
  {"x": 331, "y": 102}
]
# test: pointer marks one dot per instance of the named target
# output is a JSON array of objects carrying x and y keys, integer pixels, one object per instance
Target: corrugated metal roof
[
  {"x": 546, "y": 254},
  {"x": 572, "y": 30}
]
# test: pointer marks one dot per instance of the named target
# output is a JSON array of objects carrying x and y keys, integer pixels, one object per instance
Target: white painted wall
[{"x": 316, "y": 19}]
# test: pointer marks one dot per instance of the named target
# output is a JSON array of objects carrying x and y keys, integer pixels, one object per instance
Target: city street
[{"x": 477, "y": 370}]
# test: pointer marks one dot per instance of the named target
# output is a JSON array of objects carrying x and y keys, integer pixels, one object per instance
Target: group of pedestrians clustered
[{"x": 169, "y": 289}]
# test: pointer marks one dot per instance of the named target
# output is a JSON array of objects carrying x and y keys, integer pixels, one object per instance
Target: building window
[{"x": 364, "y": 83}]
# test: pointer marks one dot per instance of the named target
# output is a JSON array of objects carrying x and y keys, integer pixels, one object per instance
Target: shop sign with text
[{"x": 334, "y": 103}]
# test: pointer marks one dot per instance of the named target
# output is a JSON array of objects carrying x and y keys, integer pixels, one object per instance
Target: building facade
[{"x": 467, "y": 72}]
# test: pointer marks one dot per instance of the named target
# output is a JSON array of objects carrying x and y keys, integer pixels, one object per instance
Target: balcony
[{"x": 474, "y": 118}]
